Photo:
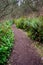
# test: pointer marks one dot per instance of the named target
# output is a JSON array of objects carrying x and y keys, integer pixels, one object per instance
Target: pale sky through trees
[{"x": 19, "y": 3}]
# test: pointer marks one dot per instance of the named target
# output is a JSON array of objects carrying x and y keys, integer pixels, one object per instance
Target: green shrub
[
  {"x": 9, "y": 22},
  {"x": 36, "y": 29},
  {"x": 6, "y": 42},
  {"x": 41, "y": 18},
  {"x": 26, "y": 25},
  {"x": 14, "y": 21},
  {"x": 19, "y": 23}
]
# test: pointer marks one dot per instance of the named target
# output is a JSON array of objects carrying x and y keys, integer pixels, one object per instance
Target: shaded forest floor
[{"x": 23, "y": 53}]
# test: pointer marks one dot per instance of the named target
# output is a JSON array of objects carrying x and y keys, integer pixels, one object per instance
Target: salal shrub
[{"x": 6, "y": 42}]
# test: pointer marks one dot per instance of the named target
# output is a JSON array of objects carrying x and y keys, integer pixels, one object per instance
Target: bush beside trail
[
  {"x": 34, "y": 26},
  {"x": 6, "y": 41}
]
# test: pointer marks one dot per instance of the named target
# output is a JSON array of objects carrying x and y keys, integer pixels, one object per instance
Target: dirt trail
[{"x": 23, "y": 52}]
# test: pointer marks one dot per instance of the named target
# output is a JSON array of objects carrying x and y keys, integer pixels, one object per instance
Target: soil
[{"x": 23, "y": 53}]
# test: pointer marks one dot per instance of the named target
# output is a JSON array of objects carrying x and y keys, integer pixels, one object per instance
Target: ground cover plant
[
  {"x": 34, "y": 26},
  {"x": 6, "y": 41}
]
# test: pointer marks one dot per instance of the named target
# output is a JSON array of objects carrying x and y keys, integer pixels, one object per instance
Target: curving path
[{"x": 23, "y": 52}]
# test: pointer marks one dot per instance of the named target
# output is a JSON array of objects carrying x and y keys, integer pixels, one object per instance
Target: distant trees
[
  {"x": 27, "y": 6},
  {"x": 6, "y": 7},
  {"x": 16, "y": 7},
  {"x": 33, "y": 4}
]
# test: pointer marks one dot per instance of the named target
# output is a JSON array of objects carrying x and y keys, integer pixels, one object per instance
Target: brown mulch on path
[{"x": 23, "y": 52}]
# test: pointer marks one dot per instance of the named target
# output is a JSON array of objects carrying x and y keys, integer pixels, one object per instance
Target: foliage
[
  {"x": 37, "y": 29},
  {"x": 6, "y": 40},
  {"x": 34, "y": 26},
  {"x": 17, "y": 8},
  {"x": 27, "y": 24},
  {"x": 20, "y": 23}
]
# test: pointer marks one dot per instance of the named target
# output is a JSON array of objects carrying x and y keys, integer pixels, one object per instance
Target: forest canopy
[{"x": 15, "y": 7}]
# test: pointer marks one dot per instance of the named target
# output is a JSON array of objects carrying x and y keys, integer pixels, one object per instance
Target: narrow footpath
[{"x": 23, "y": 53}]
